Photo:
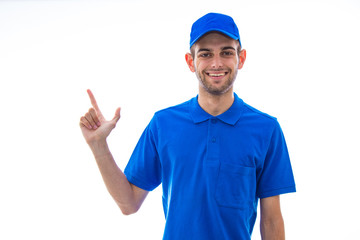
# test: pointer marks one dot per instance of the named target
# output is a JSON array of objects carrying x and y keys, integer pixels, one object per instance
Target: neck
[{"x": 215, "y": 104}]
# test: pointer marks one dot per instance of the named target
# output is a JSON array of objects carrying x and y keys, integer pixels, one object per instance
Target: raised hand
[{"x": 93, "y": 124}]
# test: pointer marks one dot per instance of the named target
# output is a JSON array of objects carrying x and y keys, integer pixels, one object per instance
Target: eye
[
  {"x": 228, "y": 53},
  {"x": 205, "y": 55}
]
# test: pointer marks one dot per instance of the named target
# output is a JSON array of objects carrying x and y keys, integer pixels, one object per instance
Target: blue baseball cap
[{"x": 214, "y": 22}]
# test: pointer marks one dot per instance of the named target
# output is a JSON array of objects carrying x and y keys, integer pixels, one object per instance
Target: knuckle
[
  {"x": 113, "y": 124},
  {"x": 93, "y": 113}
]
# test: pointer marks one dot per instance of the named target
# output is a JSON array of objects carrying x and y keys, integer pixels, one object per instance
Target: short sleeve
[
  {"x": 276, "y": 176},
  {"x": 144, "y": 168}
]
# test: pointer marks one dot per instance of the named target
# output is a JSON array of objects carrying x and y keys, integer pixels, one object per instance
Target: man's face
[{"x": 216, "y": 61}]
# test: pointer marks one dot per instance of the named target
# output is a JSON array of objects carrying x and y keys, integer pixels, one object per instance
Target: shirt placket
[{"x": 213, "y": 147}]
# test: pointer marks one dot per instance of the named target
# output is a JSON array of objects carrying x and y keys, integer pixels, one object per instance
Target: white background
[{"x": 302, "y": 67}]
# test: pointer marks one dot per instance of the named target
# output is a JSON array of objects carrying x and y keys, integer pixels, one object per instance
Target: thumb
[{"x": 117, "y": 115}]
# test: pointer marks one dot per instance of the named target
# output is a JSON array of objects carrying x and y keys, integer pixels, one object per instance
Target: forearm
[
  {"x": 115, "y": 180},
  {"x": 272, "y": 229},
  {"x": 95, "y": 129}
]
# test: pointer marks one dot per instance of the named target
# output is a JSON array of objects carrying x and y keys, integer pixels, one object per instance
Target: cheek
[
  {"x": 234, "y": 64},
  {"x": 197, "y": 66},
  {"x": 201, "y": 65}
]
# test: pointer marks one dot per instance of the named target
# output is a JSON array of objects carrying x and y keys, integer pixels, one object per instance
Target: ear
[
  {"x": 190, "y": 62},
  {"x": 242, "y": 58}
]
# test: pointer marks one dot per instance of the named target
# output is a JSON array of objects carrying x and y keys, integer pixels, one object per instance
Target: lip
[{"x": 216, "y": 74}]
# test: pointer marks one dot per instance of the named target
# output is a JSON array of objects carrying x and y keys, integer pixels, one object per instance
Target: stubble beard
[{"x": 229, "y": 82}]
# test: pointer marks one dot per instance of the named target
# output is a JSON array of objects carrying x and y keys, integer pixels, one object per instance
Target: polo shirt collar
[{"x": 230, "y": 116}]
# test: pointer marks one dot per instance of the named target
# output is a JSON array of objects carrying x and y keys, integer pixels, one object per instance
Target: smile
[{"x": 216, "y": 74}]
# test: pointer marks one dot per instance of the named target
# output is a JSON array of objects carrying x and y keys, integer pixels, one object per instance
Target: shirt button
[
  {"x": 213, "y": 140},
  {"x": 213, "y": 121}
]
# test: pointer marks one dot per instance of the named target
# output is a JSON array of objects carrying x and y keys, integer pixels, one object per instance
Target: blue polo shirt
[{"x": 212, "y": 169}]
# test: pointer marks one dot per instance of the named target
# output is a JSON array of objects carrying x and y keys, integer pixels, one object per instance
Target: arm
[
  {"x": 271, "y": 221},
  {"x": 95, "y": 130}
]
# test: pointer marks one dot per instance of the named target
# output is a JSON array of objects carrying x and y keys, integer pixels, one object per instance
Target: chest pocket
[{"x": 236, "y": 186}]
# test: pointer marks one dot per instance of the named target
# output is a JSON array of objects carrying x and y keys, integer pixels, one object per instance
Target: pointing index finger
[{"x": 93, "y": 101}]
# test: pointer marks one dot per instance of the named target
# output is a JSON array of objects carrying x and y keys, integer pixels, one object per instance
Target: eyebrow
[
  {"x": 227, "y": 48},
  {"x": 204, "y": 50},
  {"x": 209, "y": 50}
]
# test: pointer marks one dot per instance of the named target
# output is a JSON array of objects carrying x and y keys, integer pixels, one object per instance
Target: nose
[{"x": 216, "y": 62}]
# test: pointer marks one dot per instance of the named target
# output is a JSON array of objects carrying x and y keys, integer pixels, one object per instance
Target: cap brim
[{"x": 214, "y": 30}]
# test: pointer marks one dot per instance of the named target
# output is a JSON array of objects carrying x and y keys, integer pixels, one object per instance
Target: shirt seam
[
  {"x": 134, "y": 180},
  {"x": 275, "y": 189}
]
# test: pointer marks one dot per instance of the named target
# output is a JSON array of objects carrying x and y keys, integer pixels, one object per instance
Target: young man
[{"x": 215, "y": 155}]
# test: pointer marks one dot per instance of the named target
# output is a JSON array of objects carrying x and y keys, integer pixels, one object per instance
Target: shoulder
[
  {"x": 258, "y": 119},
  {"x": 178, "y": 110},
  {"x": 257, "y": 113},
  {"x": 252, "y": 112},
  {"x": 172, "y": 116}
]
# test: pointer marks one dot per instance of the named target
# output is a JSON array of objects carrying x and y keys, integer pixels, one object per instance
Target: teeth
[{"x": 216, "y": 75}]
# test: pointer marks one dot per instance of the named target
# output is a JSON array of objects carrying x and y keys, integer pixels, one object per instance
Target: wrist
[{"x": 99, "y": 148}]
